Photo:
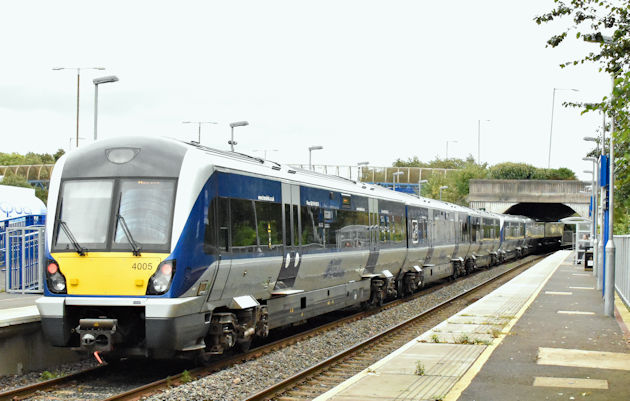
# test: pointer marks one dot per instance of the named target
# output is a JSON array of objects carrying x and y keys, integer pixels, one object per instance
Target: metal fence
[
  {"x": 24, "y": 259},
  {"x": 622, "y": 267}
]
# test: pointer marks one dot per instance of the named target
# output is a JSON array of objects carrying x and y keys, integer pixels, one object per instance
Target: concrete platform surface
[{"x": 511, "y": 345}]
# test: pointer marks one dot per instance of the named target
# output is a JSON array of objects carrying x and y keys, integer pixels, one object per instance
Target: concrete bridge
[{"x": 540, "y": 199}]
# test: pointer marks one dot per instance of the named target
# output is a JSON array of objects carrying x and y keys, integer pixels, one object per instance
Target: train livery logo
[{"x": 334, "y": 269}]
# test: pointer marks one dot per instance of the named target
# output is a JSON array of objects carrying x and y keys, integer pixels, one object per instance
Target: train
[{"x": 160, "y": 248}]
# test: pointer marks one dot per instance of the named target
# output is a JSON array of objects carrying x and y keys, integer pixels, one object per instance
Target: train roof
[{"x": 165, "y": 157}]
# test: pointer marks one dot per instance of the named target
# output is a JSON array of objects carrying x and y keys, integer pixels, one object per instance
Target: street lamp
[
  {"x": 598, "y": 255},
  {"x": 78, "y": 86},
  {"x": 441, "y": 188},
  {"x": 232, "y": 125},
  {"x": 479, "y": 140},
  {"x": 310, "y": 150},
  {"x": 452, "y": 141},
  {"x": 397, "y": 174},
  {"x": 360, "y": 169},
  {"x": 198, "y": 127},
  {"x": 609, "y": 270},
  {"x": 97, "y": 82},
  {"x": 553, "y": 103},
  {"x": 265, "y": 152}
]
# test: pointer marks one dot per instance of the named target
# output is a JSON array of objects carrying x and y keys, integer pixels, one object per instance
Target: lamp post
[
  {"x": 452, "y": 141},
  {"x": 479, "y": 140},
  {"x": 609, "y": 270},
  {"x": 441, "y": 188},
  {"x": 78, "y": 69},
  {"x": 198, "y": 127},
  {"x": 420, "y": 182},
  {"x": 310, "y": 150},
  {"x": 360, "y": 169},
  {"x": 397, "y": 174},
  {"x": 553, "y": 104},
  {"x": 232, "y": 126},
  {"x": 97, "y": 82},
  {"x": 265, "y": 152},
  {"x": 594, "y": 213}
]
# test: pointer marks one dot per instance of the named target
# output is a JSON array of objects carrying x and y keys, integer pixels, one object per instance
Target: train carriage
[{"x": 161, "y": 248}]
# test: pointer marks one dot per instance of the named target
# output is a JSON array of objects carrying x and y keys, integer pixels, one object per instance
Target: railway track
[
  {"x": 82, "y": 382},
  {"x": 318, "y": 379}
]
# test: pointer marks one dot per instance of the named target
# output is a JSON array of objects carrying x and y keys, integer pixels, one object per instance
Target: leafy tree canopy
[{"x": 607, "y": 23}]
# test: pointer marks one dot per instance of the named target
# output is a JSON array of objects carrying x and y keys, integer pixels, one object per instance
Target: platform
[
  {"x": 17, "y": 308},
  {"x": 540, "y": 336}
]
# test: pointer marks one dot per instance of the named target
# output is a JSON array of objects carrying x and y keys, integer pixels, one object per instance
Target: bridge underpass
[{"x": 544, "y": 200}]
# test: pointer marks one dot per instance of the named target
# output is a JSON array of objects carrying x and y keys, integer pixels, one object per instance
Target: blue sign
[{"x": 603, "y": 171}]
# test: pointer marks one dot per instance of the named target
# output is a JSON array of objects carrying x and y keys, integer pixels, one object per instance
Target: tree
[{"x": 592, "y": 21}]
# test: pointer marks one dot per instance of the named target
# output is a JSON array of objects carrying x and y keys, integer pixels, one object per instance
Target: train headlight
[
  {"x": 55, "y": 279},
  {"x": 161, "y": 280}
]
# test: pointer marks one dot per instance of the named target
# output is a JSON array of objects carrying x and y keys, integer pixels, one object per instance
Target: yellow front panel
[{"x": 108, "y": 273}]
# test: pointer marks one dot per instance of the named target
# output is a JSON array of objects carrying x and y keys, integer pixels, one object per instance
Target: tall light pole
[
  {"x": 553, "y": 104},
  {"x": 310, "y": 150},
  {"x": 232, "y": 126},
  {"x": 609, "y": 270},
  {"x": 78, "y": 69},
  {"x": 594, "y": 212},
  {"x": 97, "y": 82},
  {"x": 395, "y": 175},
  {"x": 360, "y": 169},
  {"x": 199, "y": 127},
  {"x": 441, "y": 188},
  {"x": 479, "y": 140},
  {"x": 452, "y": 141}
]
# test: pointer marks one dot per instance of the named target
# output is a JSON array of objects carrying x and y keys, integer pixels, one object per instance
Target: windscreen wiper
[
  {"x": 80, "y": 250},
  {"x": 134, "y": 244}
]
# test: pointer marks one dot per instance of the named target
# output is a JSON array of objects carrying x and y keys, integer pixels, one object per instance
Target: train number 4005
[{"x": 142, "y": 266}]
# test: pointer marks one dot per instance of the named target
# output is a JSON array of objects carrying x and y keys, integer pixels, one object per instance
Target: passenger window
[{"x": 256, "y": 226}]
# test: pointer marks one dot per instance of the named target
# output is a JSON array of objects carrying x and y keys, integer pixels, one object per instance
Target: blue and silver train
[{"x": 160, "y": 248}]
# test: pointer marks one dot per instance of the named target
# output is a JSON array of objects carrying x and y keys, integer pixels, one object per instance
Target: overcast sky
[{"x": 367, "y": 80}]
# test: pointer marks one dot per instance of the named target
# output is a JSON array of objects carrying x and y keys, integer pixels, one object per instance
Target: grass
[
  {"x": 435, "y": 338},
  {"x": 186, "y": 377},
  {"x": 463, "y": 339},
  {"x": 419, "y": 368},
  {"x": 46, "y": 375}
]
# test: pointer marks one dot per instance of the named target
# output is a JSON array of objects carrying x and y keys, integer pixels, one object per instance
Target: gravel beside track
[
  {"x": 237, "y": 382},
  {"x": 10, "y": 382}
]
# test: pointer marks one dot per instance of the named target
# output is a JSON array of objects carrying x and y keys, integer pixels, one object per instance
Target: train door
[
  {"x": 219, "y": 217},
  {"x": 374, "y": 225},
  {"x": 291, "y": 256}
]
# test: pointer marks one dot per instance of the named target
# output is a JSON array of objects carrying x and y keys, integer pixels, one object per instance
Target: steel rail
[
  {"x": 23, "y": 392},
  {"x": 281, "y": 387}
]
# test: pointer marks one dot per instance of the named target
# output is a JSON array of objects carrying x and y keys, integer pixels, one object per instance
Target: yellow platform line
[{"x": 463, "y": 383}]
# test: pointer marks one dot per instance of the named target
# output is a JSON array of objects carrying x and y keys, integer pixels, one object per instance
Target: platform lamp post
[
  {"x": 97, "y": 82},
  {"x": 441, "y": 188},
  {"x": 78, "y": 69},
  {"x": 553, "y": 104},
  {"x": 594, "y": 213},
  {"x": 199, "y": 127},
  {"x": 232, "y": 126},
  {"x": 396, "y": 175},
  {"x": 360, "y": 166},
  {"x": 310, "y": 151},
  {"x": 602, "y": 197},
  {"x": 609, "y": 269}
]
